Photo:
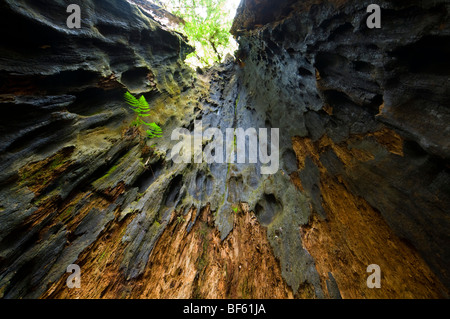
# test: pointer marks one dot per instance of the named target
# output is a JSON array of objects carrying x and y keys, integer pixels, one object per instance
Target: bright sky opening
[{"x": 230, "y": 10}]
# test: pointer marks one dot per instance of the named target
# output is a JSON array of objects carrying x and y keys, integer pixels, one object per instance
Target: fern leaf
[
  {"x": 143, "y": 103},
  {"x": 141, "y": 108},
  {"x": 132, "y": 101},
  {"x": 152, "y": 134},
  {"x": 155, "y": 127}
]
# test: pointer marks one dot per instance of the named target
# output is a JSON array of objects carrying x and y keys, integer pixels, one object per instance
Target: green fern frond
[
  {"x": 154, "y": 130},
  {"x": 132, "y": 101},
  {"x": 155, "y": 127},
  {"x": 141, "y": 108},
  {"x": 150, "y": 134},
  {"x": 143, "y": 105}
]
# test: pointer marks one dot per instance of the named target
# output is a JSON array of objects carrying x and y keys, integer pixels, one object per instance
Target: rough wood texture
[{"x": 364, "y": 154}]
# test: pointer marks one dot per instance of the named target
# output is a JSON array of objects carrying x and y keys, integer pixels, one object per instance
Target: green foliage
[
  {"x": 141, "y": 108},
  {"x": 180, "y": 219},
  {"x": 154, "y": 130},
  {"x": 207, "y": 25}
]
